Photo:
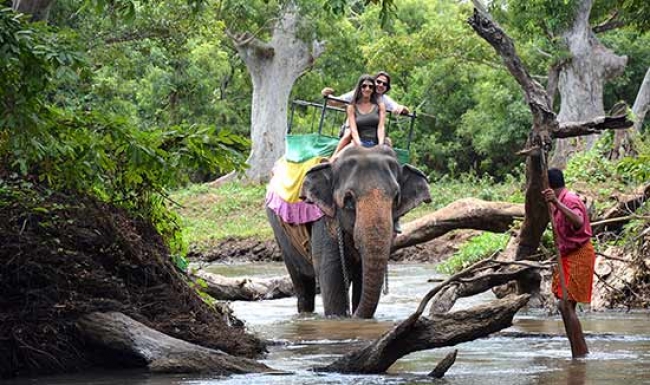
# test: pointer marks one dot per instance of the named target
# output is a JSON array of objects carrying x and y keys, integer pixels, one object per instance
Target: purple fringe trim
[{"x": 294, "y": 213}]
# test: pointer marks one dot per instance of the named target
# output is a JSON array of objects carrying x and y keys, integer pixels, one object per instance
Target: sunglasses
[
  {"x": 381, "y": 83},
  {"x": 364, "y": 86}
]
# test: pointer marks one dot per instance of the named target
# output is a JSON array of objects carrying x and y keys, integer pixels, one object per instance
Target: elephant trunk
[{"x": 373, "y": 235}]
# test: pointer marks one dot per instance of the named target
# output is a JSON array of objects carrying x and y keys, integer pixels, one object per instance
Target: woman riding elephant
[{"x": 359, "y": 194}]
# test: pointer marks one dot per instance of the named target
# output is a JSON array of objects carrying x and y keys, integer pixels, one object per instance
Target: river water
[{"x": 619, "y": 344}]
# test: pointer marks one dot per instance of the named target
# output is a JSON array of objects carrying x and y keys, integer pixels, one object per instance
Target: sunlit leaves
[{"x": 87, "y": 136}]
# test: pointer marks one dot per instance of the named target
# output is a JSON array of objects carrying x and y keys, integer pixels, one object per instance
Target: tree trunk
[
  {"x": 642, "y": 102},
  {"x": 622, "y": 145},
  {"x": 274, "y": 67},
  {"x": 581, "y": 81},
  {"x": 39, "y": 9}
]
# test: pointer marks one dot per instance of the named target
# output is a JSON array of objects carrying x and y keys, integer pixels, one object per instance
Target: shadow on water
[{"x": 532, "y": 351}]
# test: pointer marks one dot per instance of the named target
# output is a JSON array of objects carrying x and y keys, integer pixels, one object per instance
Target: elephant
[{"x": 361, "y": 193}]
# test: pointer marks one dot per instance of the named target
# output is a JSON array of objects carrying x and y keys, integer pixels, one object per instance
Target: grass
[{"x": 213, "y": 214}]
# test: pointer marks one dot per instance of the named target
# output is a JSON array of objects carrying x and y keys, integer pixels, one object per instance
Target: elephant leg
[
  {"x": 327, "y": 264},
  {"x": 299, "y": 267}
]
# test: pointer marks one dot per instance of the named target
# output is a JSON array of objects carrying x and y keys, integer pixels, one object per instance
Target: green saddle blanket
[
  {"x": 307, "y": 146},
  {"x": 303, "y": 147}
]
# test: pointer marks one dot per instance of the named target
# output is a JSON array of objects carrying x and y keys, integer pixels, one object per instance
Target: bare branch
[
  {"x": 503, "y": 44},
  {"x": 244, "y": 39},
  {"x": 595, "y": 126},
  {"x": 609, "y": 24},
  {"x": 444, "y": 365},
  {"x": 552, "y": 83},
  {"x": 416, "y": 334}
]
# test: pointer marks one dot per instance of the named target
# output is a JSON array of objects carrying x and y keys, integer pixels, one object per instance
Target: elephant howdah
[{"x": 354, "y": 199}]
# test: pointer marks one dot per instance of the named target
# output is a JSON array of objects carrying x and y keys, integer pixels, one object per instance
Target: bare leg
[
  {"x": 573, "y": 328},
  {"x": 345, "y": 140}
]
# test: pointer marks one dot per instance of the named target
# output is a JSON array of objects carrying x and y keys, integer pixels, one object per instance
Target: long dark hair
[{"x": 357, "y": 89}]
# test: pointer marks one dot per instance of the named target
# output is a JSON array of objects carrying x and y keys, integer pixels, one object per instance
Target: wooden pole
[
  {"x": 572, "y": 325},
  {"x": 546, "y": 185}
]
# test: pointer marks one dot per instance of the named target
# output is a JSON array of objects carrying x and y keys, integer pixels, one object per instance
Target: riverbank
[
  {"x": 64, "y": 256},
  {"x": 234, "y": 250}
]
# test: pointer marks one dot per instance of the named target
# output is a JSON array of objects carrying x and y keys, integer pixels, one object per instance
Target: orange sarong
[{"x": 578, "y": 268}]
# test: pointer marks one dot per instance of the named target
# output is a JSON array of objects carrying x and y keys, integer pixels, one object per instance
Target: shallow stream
[{"x": 619, "y": 344}]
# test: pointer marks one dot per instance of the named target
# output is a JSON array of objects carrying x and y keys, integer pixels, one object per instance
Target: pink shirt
[{"x": 569, "y": 237}]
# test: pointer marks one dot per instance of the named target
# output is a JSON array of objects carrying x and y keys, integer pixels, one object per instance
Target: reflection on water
[{"x": 619, "y": 344}]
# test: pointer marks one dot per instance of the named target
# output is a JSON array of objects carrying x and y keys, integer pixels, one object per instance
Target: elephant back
[
  {"x": 283, "y": 193},
  {"x": 283, "y": 198}
]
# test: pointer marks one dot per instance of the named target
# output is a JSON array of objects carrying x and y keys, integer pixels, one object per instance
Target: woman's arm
[
  {"x": 352, "y": 120},
  {"x": 381, "y": 132}
]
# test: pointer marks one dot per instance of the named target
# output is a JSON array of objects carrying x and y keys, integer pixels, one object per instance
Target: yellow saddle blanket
[{"x": 288, "y": 176}]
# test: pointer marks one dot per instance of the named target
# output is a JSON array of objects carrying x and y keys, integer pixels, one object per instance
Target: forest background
[{"x": 126, "y": 100}]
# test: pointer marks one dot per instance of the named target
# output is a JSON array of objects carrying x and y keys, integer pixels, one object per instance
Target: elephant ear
[
  {"x": 414, "y": 187},
  {"x": 317, "y": 188}
]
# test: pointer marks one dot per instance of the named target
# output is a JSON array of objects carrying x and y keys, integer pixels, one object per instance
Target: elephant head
[{"x": 364, "y": 190}]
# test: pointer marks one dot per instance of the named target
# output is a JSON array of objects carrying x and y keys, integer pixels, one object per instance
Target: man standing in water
[{"x": 573, "y": 238}]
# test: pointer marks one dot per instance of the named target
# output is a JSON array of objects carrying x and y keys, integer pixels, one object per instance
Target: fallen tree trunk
[
  {"x": 245, "y": 289},
  {"x": 626, "y": 205},
  {"x": 466, "y": 213},
  {"x": 143, "y": 346},
  {"x": 416, "y": 334}
]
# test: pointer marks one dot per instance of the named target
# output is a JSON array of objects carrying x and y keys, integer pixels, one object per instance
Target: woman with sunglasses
[
  {"x": 382, "y": 86},
  {"x": 366, "y": 117}
]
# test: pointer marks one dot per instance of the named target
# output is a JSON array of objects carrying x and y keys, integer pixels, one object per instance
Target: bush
[{"x": 475, "y": 249}]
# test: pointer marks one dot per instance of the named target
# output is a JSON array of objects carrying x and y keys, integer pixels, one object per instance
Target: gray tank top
[{"x": 367, "y": 124}]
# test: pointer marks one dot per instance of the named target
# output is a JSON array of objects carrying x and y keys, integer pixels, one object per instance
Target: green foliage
[
  {"x": 635, "y": 46},
  {"x": 592, "y": 166},
  {"x": 474, "y": 250},
  {"x": 31, "y": 58},
  {"x": 637, "y": 168},
  {"x": 79, "y": 147},
  {"x": 500, "y": 120},
  {"x": 537, "y": 17}
]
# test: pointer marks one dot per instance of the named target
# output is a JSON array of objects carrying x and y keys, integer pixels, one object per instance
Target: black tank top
[{"x": 367, "y": 124}]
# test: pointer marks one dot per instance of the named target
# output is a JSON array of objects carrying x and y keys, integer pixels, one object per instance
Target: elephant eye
[{"x": 348, "y": 204}]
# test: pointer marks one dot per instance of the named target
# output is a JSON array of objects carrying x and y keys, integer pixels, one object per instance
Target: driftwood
[
  {"x": 140, "y": 345},
  {"x": 444, "y": 365},
  {"x": 245, "y": 289},
  {"x": 447, "y": 297},
  {"x": 416, "y": 334},
  {"x": 467, "y": 213}
]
